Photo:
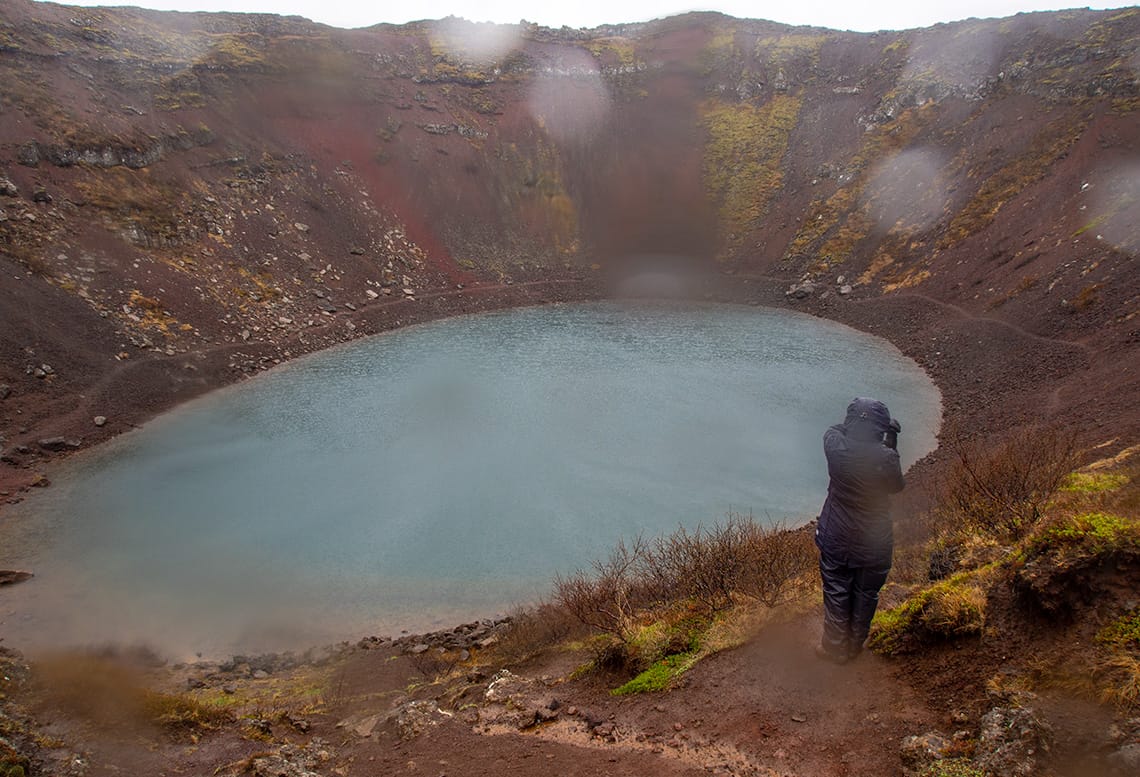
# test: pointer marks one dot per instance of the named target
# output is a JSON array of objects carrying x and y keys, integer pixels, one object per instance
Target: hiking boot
[{"x": 839, "y": 659}]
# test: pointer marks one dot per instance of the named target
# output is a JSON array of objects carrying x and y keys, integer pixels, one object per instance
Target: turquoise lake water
[{"x": 429, "y": 475}]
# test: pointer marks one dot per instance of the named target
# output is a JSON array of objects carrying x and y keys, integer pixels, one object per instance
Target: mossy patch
[
  {"x": 834, "y": 226},
  {"x": 660, "y": 676},
  {"x": 1122, "y": 633},
  {"x": 998, "y": 188},
  {"x": 1093, "y": 482},
  {"x": 952, "y": 608},
  {"x": 783, "y": 49},
  {"x": 743, "y": 159},
  {"x": 238, "y": 51},
  {"x": 952, "y": 767},
  {"x": 720, "y": 54},
  {"x": 614, "y": 52},
  {"x": 1087, "y": 533}
]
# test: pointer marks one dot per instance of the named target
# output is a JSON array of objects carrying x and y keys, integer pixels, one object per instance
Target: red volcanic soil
[{"x": 766, "y": 708}]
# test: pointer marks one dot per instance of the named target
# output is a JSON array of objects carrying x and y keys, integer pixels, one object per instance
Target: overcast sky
[{"x": 837, "y": 14}]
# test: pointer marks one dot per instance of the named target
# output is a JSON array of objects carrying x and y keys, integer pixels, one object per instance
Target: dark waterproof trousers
[{"x": 850, "y": 596}]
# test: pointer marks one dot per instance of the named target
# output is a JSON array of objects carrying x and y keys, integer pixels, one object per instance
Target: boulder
[
  {"x": 1012, "y": 741},
  {"x": 58, "y": 443},
  {"x": 13, "y": 576},
  {"x": 918, "y": 752},
  {"x": 1126, "y": 760},
  {"x": 8, "y": 189},
  {"x": 414, "y": 717},
  {"x": 291, "y": 761},
  {"x": 801, "y": 290},
  {"x": 28, "y": 155},
  {"x": 5, "y": 391},
  {"x": 365, "y": 727}
]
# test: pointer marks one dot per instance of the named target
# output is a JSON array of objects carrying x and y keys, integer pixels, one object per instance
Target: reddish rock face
[{"x": 186, "y": 198}]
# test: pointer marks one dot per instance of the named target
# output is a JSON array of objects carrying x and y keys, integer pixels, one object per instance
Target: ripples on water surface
[{"x": 418, "y": 478}]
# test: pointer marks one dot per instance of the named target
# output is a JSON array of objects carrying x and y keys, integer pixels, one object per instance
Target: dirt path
[
  {"x": 768, "y": 707},
  {"x": 1009, "y": 326}
]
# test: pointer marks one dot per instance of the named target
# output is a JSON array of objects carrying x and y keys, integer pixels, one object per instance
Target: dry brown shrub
[
  {"x": 1002, "y": 489},
  {"x": 777, "y": 557},
  {"x": 535, "y": 629},
  {"x": 709, "y": 566},
  {"x": 608, "y": 599},
  {"x": 435, "y": 662},
  {"x": 706, "y": 564}
]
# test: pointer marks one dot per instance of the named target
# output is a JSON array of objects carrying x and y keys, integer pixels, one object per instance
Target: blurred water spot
[
  {"x": 569, "y": 99},
  {"x": 477, "y": 43},
  {"x": 1113, "y": 212},
  {"x": 905, "y": 191}
]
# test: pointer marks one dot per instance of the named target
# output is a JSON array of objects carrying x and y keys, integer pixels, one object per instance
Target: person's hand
[{"x": 891, "y": 436}]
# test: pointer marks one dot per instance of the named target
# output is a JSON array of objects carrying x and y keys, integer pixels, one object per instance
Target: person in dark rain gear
[{"x": 854, "y": 534}]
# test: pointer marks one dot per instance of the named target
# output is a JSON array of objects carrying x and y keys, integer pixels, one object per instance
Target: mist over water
[{"x": 439, "y": 473}]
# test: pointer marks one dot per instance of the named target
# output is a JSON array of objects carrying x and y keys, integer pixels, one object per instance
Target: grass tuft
[
  {"x": 660, "y": 676},
  {"x": 949, "y": 609},
  {"x": 1093, "y": 482},
  {"x": 1087, "y": 533}
]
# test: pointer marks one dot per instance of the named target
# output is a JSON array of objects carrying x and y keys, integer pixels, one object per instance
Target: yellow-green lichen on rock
[
  {"x": 834, "y": 225},
  {"x": 998, "y": 188},
  {"x": 744, "y": 151}
]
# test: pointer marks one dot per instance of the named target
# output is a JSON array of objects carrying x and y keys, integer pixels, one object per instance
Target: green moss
[
  {"x": 239, "y": 51},
  {"x": 834, "y": 226},
  {"x": 954, "y": 607},
  {"x": 781, "y": 49},
  {"x": 614, "y": 52},
  {"x": 952, "y": 767},
  {"x": 1093, "y": 482},
  {"x": 998, "y": 188},
  {"x": 1125, "y": 105},
  {"x": 659, "y": 676},
  {"x": 667, "y": 636},
  {"x": 1123, "y": 633},
  {"x": 898, "y": 44},
  {"x": 743, "y": 159},
  {"x": 1091, "y": 533}
]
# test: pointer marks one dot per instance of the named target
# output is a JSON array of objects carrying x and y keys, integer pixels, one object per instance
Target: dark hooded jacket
[{"x": 855, "y": 523}]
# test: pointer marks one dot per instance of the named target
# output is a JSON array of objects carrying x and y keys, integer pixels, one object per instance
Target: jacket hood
[{"x": 867, "y": 418}]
